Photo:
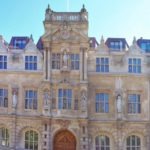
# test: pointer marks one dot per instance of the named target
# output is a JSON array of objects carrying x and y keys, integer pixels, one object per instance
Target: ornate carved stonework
[
  {"x": 63, "y": 123},
  {"x": 118, "y": 59},
  {"x": 15, "y": 57}
]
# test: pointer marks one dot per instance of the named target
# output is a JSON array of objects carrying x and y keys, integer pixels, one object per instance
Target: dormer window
[
  {"x": 116, "y": 45},
  {"x": 19, "y": 44},
  {"x": 145, "y": 46}
]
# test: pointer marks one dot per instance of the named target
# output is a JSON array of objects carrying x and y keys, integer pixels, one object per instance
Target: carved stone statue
[
  {"x": 83, "y": 101},
  {"x": 14, "y": 98},
  {"x": 119, "y": 103},
  {"x": 65, "y": 59}
]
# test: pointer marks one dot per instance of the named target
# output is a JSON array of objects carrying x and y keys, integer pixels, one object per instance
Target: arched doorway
[{"x": 64, "y": 140}]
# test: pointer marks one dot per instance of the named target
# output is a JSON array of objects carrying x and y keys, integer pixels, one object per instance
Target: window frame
[
  {"x": 101, "y": 102},
  {"x": 75, "y": 61},
  {"x": 31, "y": 103},
  {"x": 28, "y": 140},
  {"x": 56, "y": 61},
  {"x": 134, "y": 105},
  {"x": 102, "y": 64},
  {"x": 65, "y": 103},
  {"x": 135, "y": 65},
  {"x": 3, "y": 62},
  {"x": 4, "y": 141},
  {"x": 130, "y": 142},
  {"x": 19, "y": 43},
  {"x": 145, "y": 46},
  {"x": 3, "y": 97},
  {"x": 105, "y": 144},
  {"x": 116, "y": 45},
  {"x": 31, "y": 62}
]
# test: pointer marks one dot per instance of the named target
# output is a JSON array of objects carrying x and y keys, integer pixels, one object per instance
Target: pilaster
[{"x": 84, "y": 139}]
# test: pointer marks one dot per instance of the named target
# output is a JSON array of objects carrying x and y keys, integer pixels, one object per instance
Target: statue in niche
[
  {"x": 65, "y": 59},
  {"x": 14, "y": 98},
  {"x": 46, "y": 98},
  {"x": 83, "y": 101},
  {"x": 119, "y": 103}
]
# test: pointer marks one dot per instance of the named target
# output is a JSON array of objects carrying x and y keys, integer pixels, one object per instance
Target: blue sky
[{"x": 110, "y": 18}]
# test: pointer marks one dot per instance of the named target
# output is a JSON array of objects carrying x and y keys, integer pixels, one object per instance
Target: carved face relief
[{"x": 65, "y": 34}]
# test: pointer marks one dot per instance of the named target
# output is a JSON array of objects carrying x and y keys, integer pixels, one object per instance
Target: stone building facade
[{"x": 69, "y": 92}]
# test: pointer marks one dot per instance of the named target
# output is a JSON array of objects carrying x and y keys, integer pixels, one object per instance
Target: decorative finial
[
  {"x": 31, "y": 37},
  {"x": 83, "y": 8},
  {"x": 1, "y": 39},
  {"x": 134, "y": 40},
  {"x": 102, "y": 40},
  {"x": 48, "y": 9}
]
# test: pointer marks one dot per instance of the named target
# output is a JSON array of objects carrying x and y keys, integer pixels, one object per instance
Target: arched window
[
  {"x": 4, "y": 137},
  {"x": 31, "y": 140},
  {"x": 102, "y": 143},
  {"x": 133, "y": 143}
]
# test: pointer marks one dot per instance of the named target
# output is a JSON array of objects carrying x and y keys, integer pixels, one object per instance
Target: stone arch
[
  {"x": 103, "y": 133},
  {"x": 139, "y": 134},
  {"x": 7, "y": 131},
  {"x": 5, "y": 126},
  {"x": 21, "y": 136},
  {"x": 64, "y": 140}
]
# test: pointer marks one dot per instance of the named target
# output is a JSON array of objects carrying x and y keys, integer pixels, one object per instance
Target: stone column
[
  {"x": 46, "y": 64},
  {"x": 49, "y": 63},
  {"x": 13, "y": 134},
  {"x": 147, "y": 137},
  {"x": 81, "y": 64},
  {"x": 44, "y": 68},
  {"x": 85, "y": 64},
  {"x": 120, "y": 143},
  {"x": 46, "y": 136},
  {"x": 147, "y": 142},
  {"x": 84, "y": 139}
]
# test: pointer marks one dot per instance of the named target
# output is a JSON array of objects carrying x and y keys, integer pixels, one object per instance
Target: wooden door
[{"x": 64, "y": 140}]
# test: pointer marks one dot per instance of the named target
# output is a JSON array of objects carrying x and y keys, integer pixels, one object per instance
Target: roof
[
  {"x": 93, "y": 42},
  {"x": 40, "y": 44},
  {"x": 141, "y": 40},
  {"x": 123, "y": 40},
  {"x": 15, "y": 39}
]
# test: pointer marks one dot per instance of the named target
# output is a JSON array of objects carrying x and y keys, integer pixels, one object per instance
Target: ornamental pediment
[
  {"x": 134, "y": 50},
  {"x": 31, "y": 46},
  {"x": 67, "y": 34}
]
